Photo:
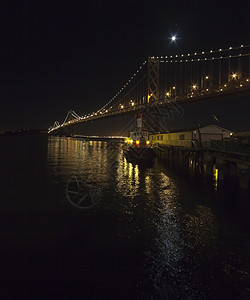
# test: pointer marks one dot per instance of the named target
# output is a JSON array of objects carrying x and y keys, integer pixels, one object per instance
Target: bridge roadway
[{"x": 231, "y": 108}]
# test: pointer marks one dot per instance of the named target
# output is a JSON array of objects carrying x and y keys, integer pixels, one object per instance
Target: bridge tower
[{"x": 153, "y": 79}]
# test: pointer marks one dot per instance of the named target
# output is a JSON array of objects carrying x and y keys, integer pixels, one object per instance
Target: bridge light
[
  {"x": 173, "y": 87},
  {"x": 122, "y": 106},
  {"x": 194, "y": 86},
  {"x": 132, "y": 103},
  {"x": 206, "y": 77},
  {"x": 137, "y": 142},
  {"x": 234, "y": 75}
]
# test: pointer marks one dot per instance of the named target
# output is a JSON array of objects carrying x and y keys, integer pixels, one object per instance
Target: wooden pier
[{"x": 219, "y": 164}]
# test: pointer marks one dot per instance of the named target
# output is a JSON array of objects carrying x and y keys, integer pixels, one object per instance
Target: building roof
[{"x": 195, "y": 128}]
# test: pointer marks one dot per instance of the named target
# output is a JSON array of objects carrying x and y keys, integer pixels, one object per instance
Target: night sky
[{"x": 61, "y": 55}]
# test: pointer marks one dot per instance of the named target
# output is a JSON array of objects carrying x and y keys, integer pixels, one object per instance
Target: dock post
[{"x": 243, "y": 175}]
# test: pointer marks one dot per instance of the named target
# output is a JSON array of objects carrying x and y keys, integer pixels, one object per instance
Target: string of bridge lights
[
  {"x": 131, "y": 90},
  {"x": 204, "y": 59},
  {"x": 202, "y": 53},
  {"x": 112, "y": 99},
  {"x": 124, "y": 86}
]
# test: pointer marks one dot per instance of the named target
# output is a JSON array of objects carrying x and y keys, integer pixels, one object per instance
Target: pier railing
[{"x": 229, "y": 146}]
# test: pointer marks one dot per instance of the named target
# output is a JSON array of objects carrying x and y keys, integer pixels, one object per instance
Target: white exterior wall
[
  {"x": 206, "y": 137},
  {"x": 135, "y": 135},
  {"x": 213, "y": 132}
]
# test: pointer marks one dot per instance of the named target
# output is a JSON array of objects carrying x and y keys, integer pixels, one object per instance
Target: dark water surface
[{"x": 154, "y": 234}]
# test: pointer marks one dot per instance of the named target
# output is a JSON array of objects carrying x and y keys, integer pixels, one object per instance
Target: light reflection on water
[{"x": 180, "y": 234}]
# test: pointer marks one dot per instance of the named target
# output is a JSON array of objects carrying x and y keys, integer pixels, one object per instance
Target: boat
[{"x": 137, "y": 147}]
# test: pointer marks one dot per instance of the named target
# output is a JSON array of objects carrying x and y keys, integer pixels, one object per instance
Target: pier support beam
[
  {"x": 243, "y": 175},
  {"x": 222, "y": 168},
  {"x": 209, "y": 162}
]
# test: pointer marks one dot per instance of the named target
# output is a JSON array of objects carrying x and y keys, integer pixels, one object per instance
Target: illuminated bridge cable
[
  {"x": 204, "y": 59},
  {"x": 66, "y": 119},
  {"x": 56, "y": 124},
  {"x": 124, "y": 86},
  {"x": 74, "y": 114},
  {"x": 242, "y": 47},
  {"x": 131, "y": 89}
]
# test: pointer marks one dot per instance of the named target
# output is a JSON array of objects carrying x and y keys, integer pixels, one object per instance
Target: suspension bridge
[{"x": 184, "y": 78}]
